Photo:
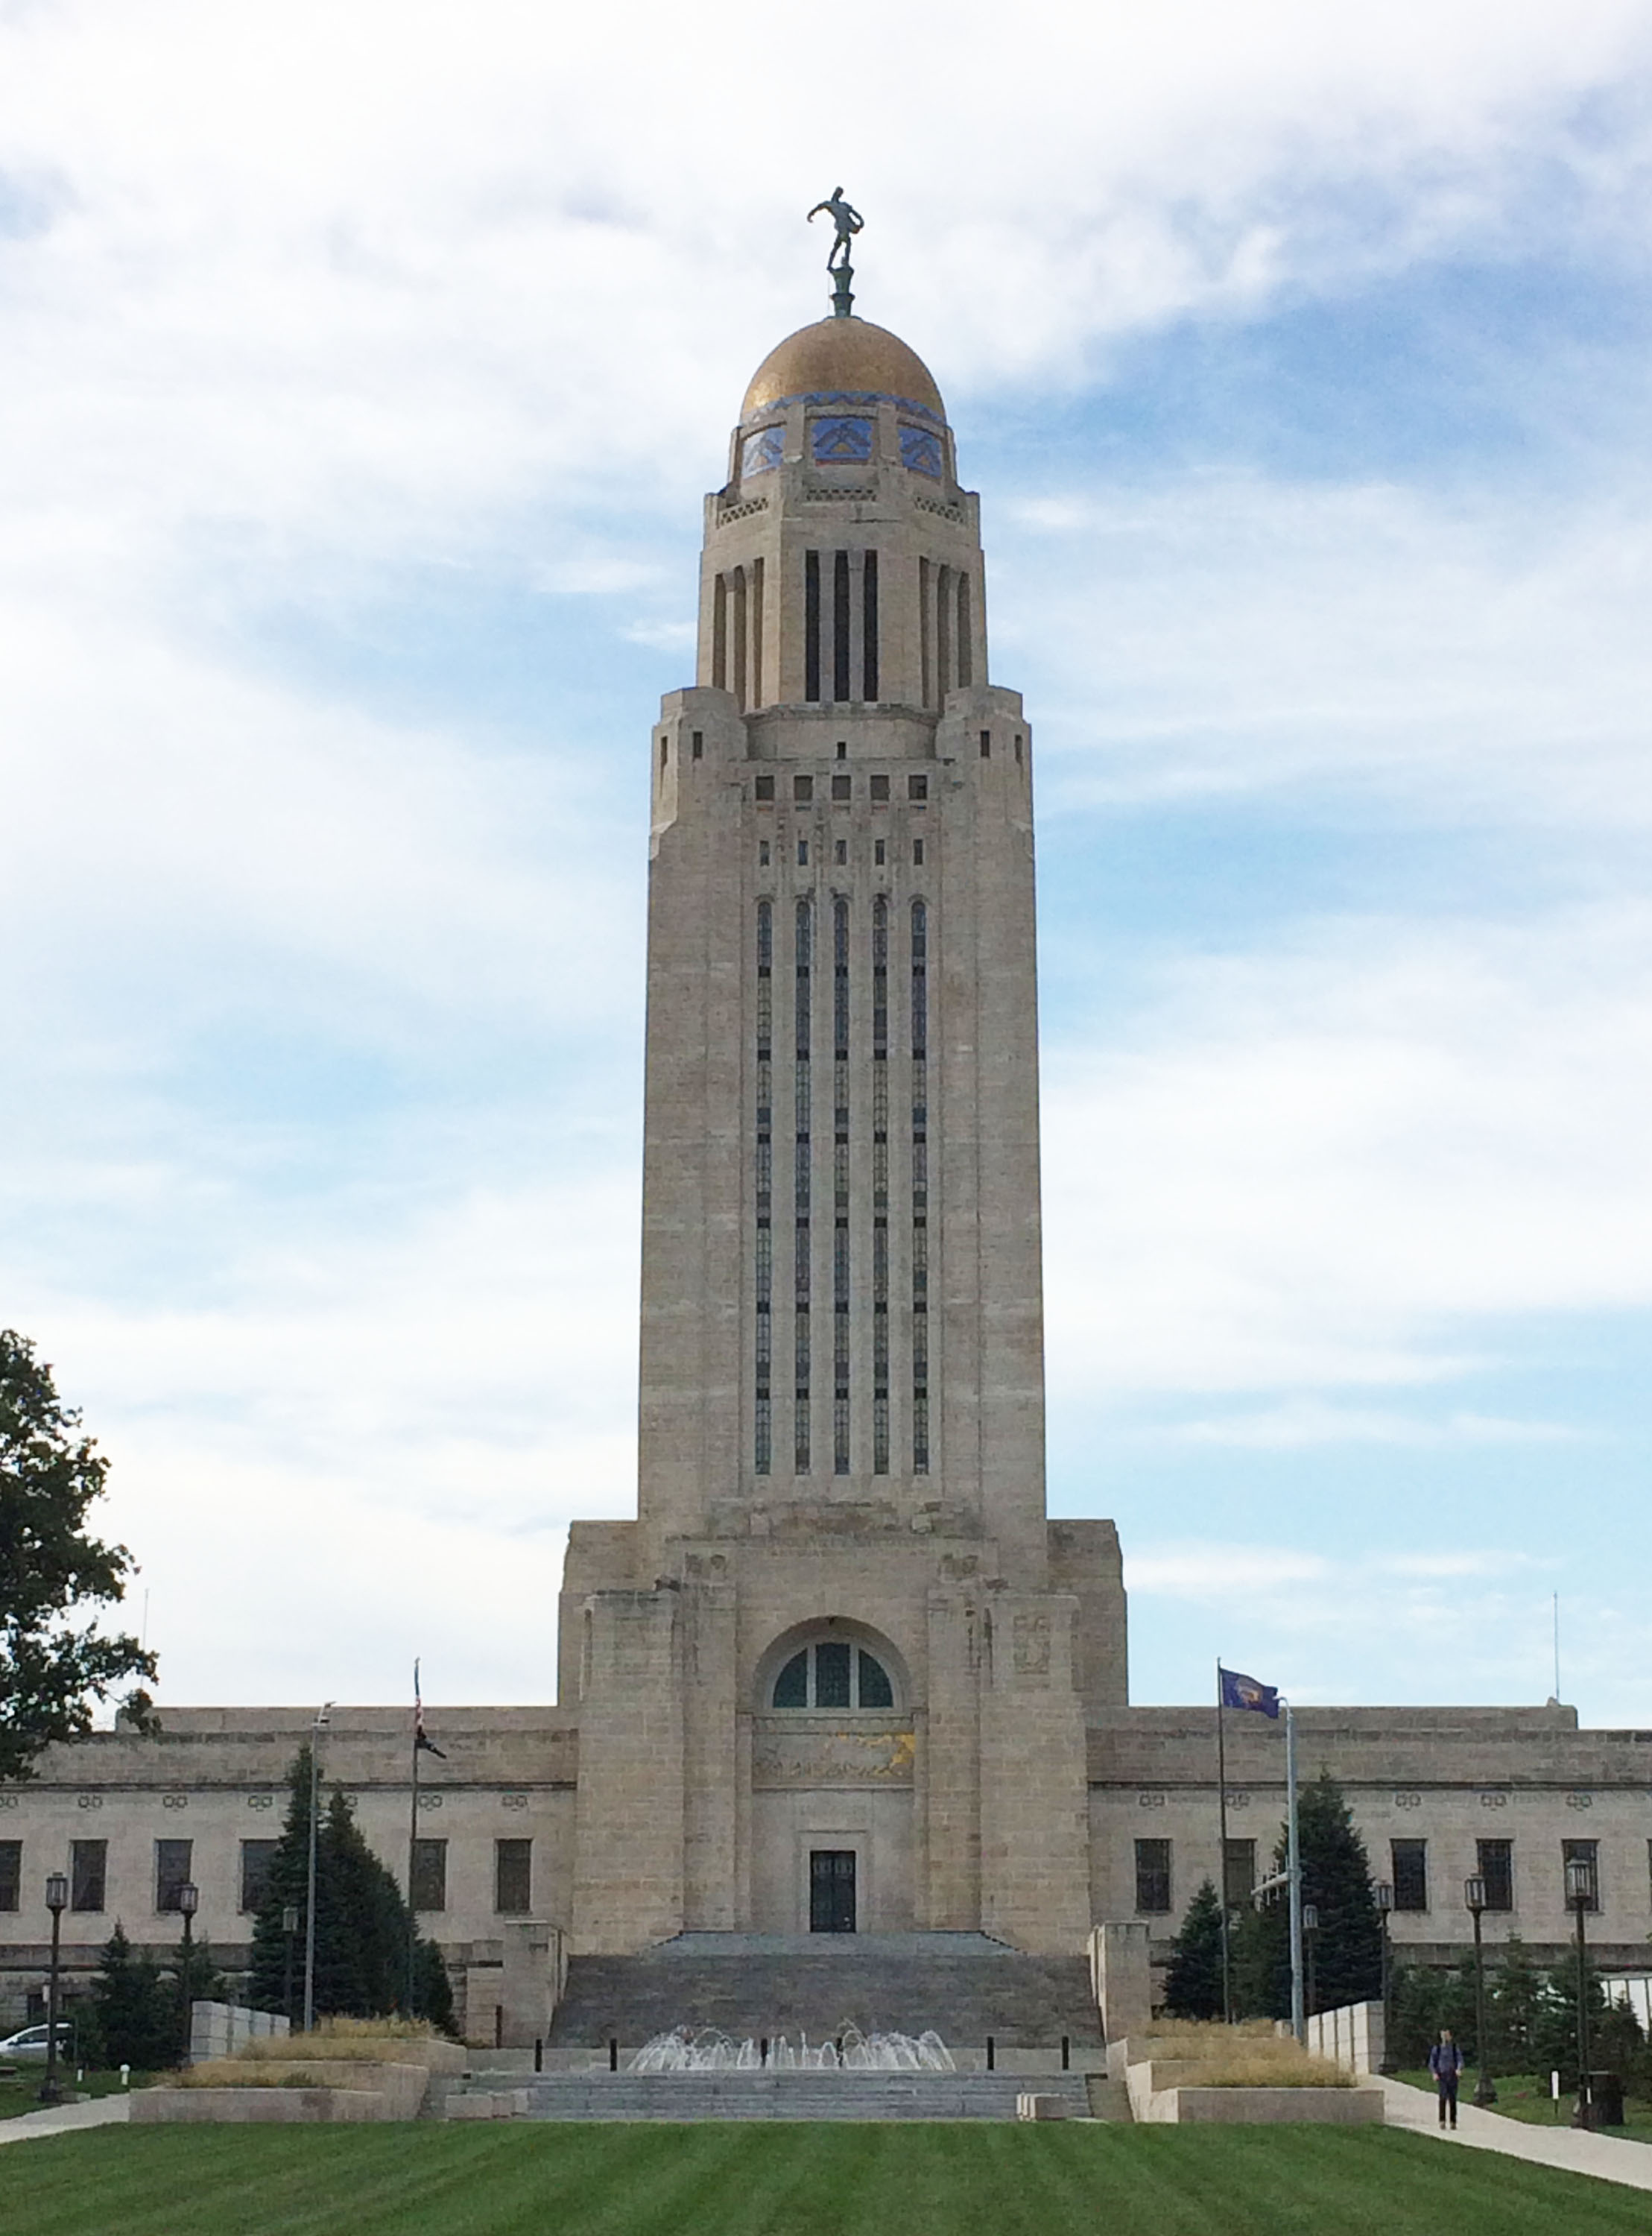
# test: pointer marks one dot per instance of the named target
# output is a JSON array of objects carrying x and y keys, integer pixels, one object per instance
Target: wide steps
[
  {"x": 790, "y": 2096},
  {"x": 963, "y": 1987}
]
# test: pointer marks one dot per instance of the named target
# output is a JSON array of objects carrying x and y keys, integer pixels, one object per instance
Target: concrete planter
[
  {"x": 258, "y": 2107},
  {"x": 1342, "y": 2107},
  {"x": 395, "y": 2092}
]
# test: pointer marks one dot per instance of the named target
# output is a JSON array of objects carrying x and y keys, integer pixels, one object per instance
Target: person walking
[{"x": 1445, "y": 2064}]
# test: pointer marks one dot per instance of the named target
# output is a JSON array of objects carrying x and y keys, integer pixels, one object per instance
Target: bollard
[
  {"x": 991, "y": 2065},
  {"x": 613, "y": 2053}
]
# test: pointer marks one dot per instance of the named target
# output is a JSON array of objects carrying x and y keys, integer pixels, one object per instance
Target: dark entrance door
[{"x": 832, "y": 1890}]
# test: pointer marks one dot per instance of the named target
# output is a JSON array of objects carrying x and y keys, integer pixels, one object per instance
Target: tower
[{"x": 836, "y": 1673}]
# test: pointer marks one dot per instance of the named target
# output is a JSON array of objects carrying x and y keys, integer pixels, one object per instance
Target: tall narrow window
[
  {"x": 802, "y": 1299},
  {"x": 171, "y": 1870},
  {"x": 258, "y": 1862},
  {"x": 839, "y": 625},
  {"x": 925, "y": 661},
  {"x": 966, "y": 661},
  {"x": 920, "y": 1014},
  {"x": 513, "y": 1877},
  {"x": 720, "y": 633},
  {"x": 763, "y": 1283},
  {"x": 739, "y": 638},
  {"x": 943, "y": 634},
  {"x": 757, "y": 631},
  {"x": 1410, "y": 1880},
  {"x": 1152, "y": 1877},
  {"x": 811, "y": 625},
  {"x": 1496, "y": 1860},
  {"x": 11, "y": 1874},
  {"x": 430, "y": 1875},
  {"x": 1239, "y": 1873},
  {"x": 840, "y": 1187},
  {"x": 881, "y": 1184},
  {"x": 88, "y": 1871},
  {"x": 869, "y": 627}
]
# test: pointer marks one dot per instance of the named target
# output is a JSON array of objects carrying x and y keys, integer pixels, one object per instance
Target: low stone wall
[
  {"x": 1260, "y": 2107},
  {"x": 256, "y": 2106},
  {"x": 395, "y": 2092},
  {"x": 1350, "y": 2036},
  {"x": 219, "y": 2030}
]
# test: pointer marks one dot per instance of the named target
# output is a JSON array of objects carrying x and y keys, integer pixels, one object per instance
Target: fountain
[{"x": 708, "y": 2050}]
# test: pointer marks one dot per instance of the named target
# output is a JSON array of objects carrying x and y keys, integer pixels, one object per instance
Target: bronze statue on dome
[{"x": 848, "y": 222}]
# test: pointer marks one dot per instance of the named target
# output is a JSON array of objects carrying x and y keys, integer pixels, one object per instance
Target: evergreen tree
[
  {"x": 361, "y": 1922},
  {"x": 1193, "y": 1987},
  {"x": 204, "y": 1983},
  {"x": 1517, "y": 1996},
  {"x": 134, "y": 2019},
  {"x": 1336, "y": 1879}
]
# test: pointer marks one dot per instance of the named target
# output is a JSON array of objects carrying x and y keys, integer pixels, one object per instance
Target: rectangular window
[
  {"x": 1496, "y": 1869},
  {"x": 843, "y": 787},
  {"x": 762, "y": 788},
  {"x": 803, "y": 854},
  {"x": 170, "y": 1871},
  {"x": 878, "y": 851},
  {"x": 1581, "y": 1852},
  {"x": 802, "y": 789},
  {"x": 512, "y": 1877},
  {"x": 258, "y": 1860},
  {"x": 10, "y": 1873},
  {"x": 986, "y": 744},
  {"x": 878, "y": 790},
  {"x": 831, "y": 1673},
  {"x": 1153, "y": 1876},
  {"x": 811, "y": 625},
  {"x": 88, "y": 1865},
  {"x": 917, "y": 787},
  {"x": 430, "y": 1874},
  {"x": 839, "y": 626},
  {"x": 869, "y": 627},
  {"x": 1239, "y": 1873},
  {"x": 917, "y": 852},
  {"x": 697, "y": 744},
  {"x": 1410, "y": 1874},
  {"x": 763, "y": 853}
]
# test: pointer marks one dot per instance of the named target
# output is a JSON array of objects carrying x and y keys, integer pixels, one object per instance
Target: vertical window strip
[
  {"x": 925, "y": 698},
  {"x": 920, "y": 1188},
  {"x": 802, "y": 1299},
  {"x": 869, "y": 626},
  {"x": 840, "y": 1187},
  {"x": 811, "y": 625},
  {"x": 881, "y": 1184},
  {"x": 840, "y": 626},
  {"x": 966, "y": 663},
  {"x": 720, "y": 633},
  {"x": 739, "y": 638},
  {"x": 757, "y": 631},
  {"x": 943, "y": 634},
  {"x": 763, "y": 1362}
]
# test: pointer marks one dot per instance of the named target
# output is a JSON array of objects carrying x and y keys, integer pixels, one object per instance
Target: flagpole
[
  {"x": 1293, "y": 1869},
  {"x": 412, "y": 1851},
  {"x": 1222, "y": 1852}
]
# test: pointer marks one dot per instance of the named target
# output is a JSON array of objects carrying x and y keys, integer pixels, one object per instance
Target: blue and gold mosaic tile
[
  {"x": 920, "y": 450},
  {"x": 761, "y": 452},
  {"x": 841, "y": 442}
]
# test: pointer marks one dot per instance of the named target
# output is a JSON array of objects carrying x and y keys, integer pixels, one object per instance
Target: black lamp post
[
  {"x": 1580, "y": 1897},
  {"x": 289, "y": 1927},
  {"x": 1474, "y": 1896},
  {"x": 188, "y": 1903},
  {"x": 1384, "y": 1894},
  {"x": 1310, "y": 1939},
  {"x": 57, "y": 1903}
]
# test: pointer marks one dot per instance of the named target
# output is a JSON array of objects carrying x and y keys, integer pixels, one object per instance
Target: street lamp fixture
[
  {"x": 323, "y": 1718},
  {"x": 1580, "y": 1897},
  {"x": 289, "y": 1927},
  {"x": 188, "y": 1904},
  {"x": 1384, "y": 1893},
  {"x": 1310, "y": 1936},
  {"x": 1474, "y": 1898},
  {"x": 57, "y": 1903}
]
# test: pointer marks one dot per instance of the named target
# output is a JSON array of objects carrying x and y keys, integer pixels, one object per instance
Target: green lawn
[{"x": 786, "y": 2180}]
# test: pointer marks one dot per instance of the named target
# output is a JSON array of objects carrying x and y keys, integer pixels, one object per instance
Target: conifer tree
[
  {"x": 1193, "y": 1986},
  {"x": 1336, "y": 1879},
  {"x": 133, "y": 2018}
]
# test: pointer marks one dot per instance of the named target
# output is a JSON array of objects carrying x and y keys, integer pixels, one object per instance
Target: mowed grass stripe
[{"x": 789, "y": 2178}]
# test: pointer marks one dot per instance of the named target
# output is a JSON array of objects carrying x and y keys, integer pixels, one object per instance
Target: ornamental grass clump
[
  {"x": 372, "y": 2040},
  {"x": 230, "y": 2073},
  {"x": 1293, "y": 2068}
]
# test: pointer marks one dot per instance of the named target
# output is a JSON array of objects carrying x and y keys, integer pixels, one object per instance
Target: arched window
[{"x": 833, "y": 1673}]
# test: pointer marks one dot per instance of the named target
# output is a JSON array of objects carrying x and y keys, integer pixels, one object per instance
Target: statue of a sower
[{"x": 848, "y": 222}]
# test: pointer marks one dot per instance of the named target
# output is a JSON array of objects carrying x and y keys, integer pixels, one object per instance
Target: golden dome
[{"x": 841, "y": 357}]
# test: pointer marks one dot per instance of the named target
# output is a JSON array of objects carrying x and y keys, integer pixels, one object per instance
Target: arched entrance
[{"x": 832, "y": 1765}]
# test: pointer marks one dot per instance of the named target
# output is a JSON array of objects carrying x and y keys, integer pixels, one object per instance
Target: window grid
[
  {"x": 920, "y": 1017},
  {"x": 11, "y": 1874},
  {"x": 840, "y": 1188},
  {"x": 762, "y": 1420},
  {"x": 1153, "y": 1876},
  {"x": 1409, "y": 1867},
  {"x": 802, "y": 1196},
  {"x": 88, "y": 1868},
  {"x": 880, "y": 1184},
  {"x": 1496, "y": 1859}
]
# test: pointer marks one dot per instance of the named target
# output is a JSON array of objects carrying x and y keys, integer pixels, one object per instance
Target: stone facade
[{"x": 841, "y": 1670}]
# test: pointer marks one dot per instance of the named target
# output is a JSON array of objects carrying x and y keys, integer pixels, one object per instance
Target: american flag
[{"x": 421, "y": 1740}]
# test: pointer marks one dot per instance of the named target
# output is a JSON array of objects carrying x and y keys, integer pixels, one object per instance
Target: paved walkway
[
  {"x": 96, "y": 2112},
  {"x": 1609, "y": 2158}
]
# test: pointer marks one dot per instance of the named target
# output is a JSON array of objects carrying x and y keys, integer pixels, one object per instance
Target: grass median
[{"x": 987, "y": 2178}]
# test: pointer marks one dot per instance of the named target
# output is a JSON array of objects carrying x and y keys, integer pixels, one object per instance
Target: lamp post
[
  {"x": 57, "y": 1903},
  {"x": 1580, "y": 1896},
  {"x": 1474, "y": 1896},
  {"x": 1384, "y": 1893},
  {"x": 188, "y": 1904},
  {"x": 289, "y": 1927},
  {"x": 1310, "y": 1936},
  {"x": 315, "y": 1730}
]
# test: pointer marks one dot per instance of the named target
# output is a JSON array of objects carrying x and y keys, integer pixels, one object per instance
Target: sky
[{"x": 362, "y": 370}]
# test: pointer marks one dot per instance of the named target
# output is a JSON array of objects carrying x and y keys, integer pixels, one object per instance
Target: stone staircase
[
  {"x": 964, "y": 1986},
  {"x": 808, "y": 2095}
]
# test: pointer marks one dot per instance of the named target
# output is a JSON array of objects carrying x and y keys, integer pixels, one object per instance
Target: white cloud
[{"x": 1304, "y": 1422}]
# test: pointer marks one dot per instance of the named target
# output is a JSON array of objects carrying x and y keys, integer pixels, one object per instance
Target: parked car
[{"x": 32, "y": 2042}]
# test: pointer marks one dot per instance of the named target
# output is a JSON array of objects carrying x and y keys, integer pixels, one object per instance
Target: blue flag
[{"x": 1239, "y": 1692}]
